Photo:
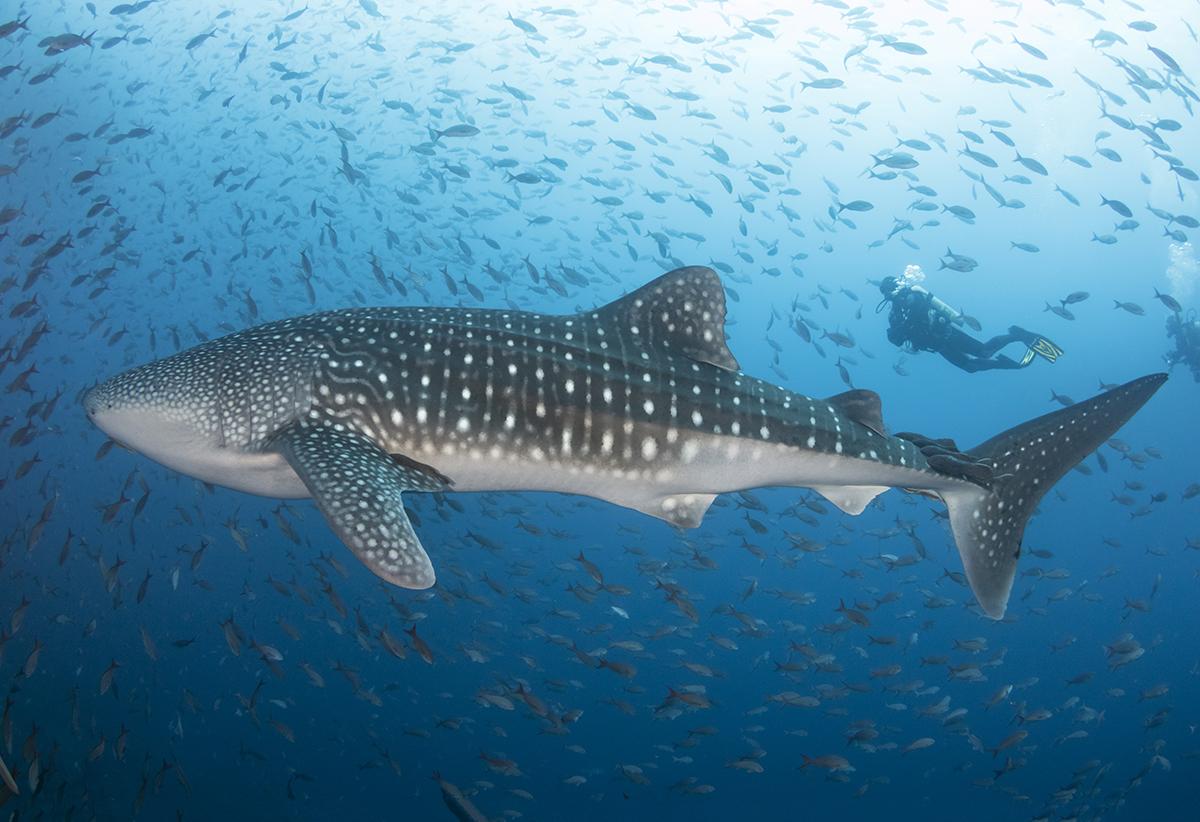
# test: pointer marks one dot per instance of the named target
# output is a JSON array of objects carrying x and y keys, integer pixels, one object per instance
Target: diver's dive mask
[{"x": 888, "y": 286}]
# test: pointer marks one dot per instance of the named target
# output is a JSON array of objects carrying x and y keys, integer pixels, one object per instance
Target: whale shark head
[
  {"x": 168, "y": 410},
  {"x": 207, "y": 412}
]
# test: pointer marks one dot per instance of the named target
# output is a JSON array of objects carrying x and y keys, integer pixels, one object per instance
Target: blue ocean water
[{"x": 174, "y": 172}]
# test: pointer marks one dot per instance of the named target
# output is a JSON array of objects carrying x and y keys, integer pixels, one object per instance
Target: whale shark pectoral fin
[{"x": 358, "y": 486}]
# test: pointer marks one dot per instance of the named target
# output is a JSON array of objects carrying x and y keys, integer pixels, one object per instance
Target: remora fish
[{"x": 639, "y": 402}]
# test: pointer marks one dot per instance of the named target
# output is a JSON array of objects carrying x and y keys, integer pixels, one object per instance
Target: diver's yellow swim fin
[
  {"x": 1028, "y": 358},
  {"x": 1046, "y": 349}
]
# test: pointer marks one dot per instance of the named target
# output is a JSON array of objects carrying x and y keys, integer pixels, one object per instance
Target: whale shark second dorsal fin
[
  {"x": 862, "y": 406},
  {"x": 683, "y": 312}
]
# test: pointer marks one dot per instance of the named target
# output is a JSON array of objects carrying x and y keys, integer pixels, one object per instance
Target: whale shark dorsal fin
[
  {"x": 683, "y": 312},
  {"x": 862, "y": 406},
  {"x": 357, "y": 486}
]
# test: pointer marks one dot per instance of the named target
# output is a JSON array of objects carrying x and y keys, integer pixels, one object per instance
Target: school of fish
[{"x": 666, "y": 176}]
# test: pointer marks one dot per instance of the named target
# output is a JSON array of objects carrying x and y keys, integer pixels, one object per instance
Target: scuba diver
[
  {"x": 919, "y": 321},
  {"x": 1186, "y": 333}
]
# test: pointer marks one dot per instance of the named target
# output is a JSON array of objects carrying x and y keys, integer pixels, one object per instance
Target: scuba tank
[{"x": 939, "y": 310}]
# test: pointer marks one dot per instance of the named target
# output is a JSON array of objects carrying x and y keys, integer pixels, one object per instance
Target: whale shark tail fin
[{"x": 988, "y": 519}]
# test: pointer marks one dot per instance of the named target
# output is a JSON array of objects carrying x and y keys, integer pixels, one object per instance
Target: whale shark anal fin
[{"x": 851, "y": 499}]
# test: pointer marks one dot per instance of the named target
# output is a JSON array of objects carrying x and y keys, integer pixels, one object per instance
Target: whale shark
[{"x": 639, "y": 402}]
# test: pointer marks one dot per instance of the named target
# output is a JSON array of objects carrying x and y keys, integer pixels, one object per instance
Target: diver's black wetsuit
[
  {"x": 915, "y": 321},
  {"x": 1186, "y": 331}
]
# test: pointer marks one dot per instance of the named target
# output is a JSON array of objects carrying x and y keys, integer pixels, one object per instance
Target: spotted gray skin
[{"x": 639, "y": 402}]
